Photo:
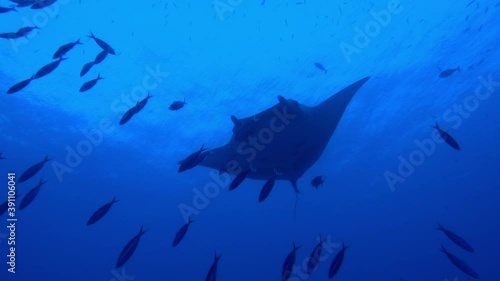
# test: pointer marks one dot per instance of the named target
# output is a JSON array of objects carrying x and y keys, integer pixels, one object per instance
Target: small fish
[
  {"x": 129, "y": 249},
  {"x": 105, "y": 46},
  {"x": 312, "y": 264},
  {"x": 181, "y": 233},
  {"x": 176, "y": 105},
  {"x": 447, "y": 137},
  {"x": 460, "y": 264},
  {"x": 142, "y": 103},
  {"x": 128, "y": 115},
  {"x": 320, "y": 67},
  {"x": 448, "y": 72},
  {"x": 103, "y": 210},
  {"x": 65, "y": 49},
  {"x": 42, "y": 4},
  {"x": 10, "y": 35},
  {"x": 24, "y": 31},
  {"x": 239, "y": 179},
  {"x": 48, "y": 68},
  {"x": 268, "y": 187},
  {"x": 31, "y": 195},
  {"x": 459, "y": 241},
  {"x": 19, "y": 86},
  {"x": 86, "y": 68},
  {"x": 287, "y": 268},
  {"x": 212, "y": 272},
  {"x": 6, "y": 10},
  {"x": 31, "y": 171},
  {"x": 90, "y": 84},
  {"x": 100, "y": 57},
  {"x": 337, "y": 262},
  {"x": 191, "y": 161},
  {"x": 317, "y": 181}
]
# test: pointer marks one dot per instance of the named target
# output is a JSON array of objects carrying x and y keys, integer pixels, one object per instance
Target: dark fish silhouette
[
  {"x": 19, "y": 86},
  {"x": 212, "y": 272},
  {"x": 192, "y": 160},
  {"x": 320, "y": 67},
  {"x": 10, "y": 35},
  {"x": 337, "y": 262},
  {"x": 128, "y": 115},
  {"x": 103, "y": 210},
  {"x": 459, "y": 241},
  {"x": 142, "y": 103},
  {"x": 317, "y": 181},
  {"x": 181, "y": 233},
  {"x": 6, "y": 10},
  {"x": 448, "y": 72},
  {"x": 460, "y": 264},
  {"x": 312, "y": 264},
  {"x": 105, "y": 46},
  {"x": 239, "y": 179},
  {"x": 86, "y": 68},
  {"x": 268, "y": 187},
  {"x": 176, "y": 105},
  {"x": 100, "y": 57},
  {"x": 65, "y": 49},
  {"x": 31, "y": 195},
  {"x": 447, "y": 137},
  {"x": 25, "y": 31},
  {"x": 90, "y": 84},
  {"x": 287, "y": 269},
  {"x": 42, "y": 4},
  {"x": 129, "y": 249},
  {"x": 23, "y": 3},
  {"x": 48, "y": 68},
  {"x": 31, "y": 171}
]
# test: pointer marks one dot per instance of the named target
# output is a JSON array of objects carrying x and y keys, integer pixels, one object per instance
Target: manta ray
[{"x": 283, "y": 141}]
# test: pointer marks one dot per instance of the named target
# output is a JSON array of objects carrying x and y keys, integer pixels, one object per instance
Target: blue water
[{"x": 236, "y": 61}]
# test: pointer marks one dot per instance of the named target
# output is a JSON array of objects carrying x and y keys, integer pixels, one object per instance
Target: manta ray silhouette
[{"x": 283, "y": 141}]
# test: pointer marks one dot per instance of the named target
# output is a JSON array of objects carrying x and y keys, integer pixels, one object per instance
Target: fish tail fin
[
  {"x": 435, "y": 126},
  {"x": 91, "y": 35},
  {"x": 114, "y": 200},
  {"x": 78, "y": 42},
  {"x": 46, "y": 158},
  {"x": 99, "y": 77},
  {"x": 217, "y": 257},
  {"x": 440, "y": 227},
  {"x": 190, "y": 220}
]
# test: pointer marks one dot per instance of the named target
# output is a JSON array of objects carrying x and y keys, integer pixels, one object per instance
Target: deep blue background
[{"x": 237, "y": 63}]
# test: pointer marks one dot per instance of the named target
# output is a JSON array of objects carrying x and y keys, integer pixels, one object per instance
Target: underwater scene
[{"x": 248, "y": 140}]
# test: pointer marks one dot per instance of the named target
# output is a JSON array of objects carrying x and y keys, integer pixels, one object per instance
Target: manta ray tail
[{"x": 297, "y": 192}]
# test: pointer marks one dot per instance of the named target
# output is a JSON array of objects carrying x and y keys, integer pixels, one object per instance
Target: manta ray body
[{"x": 281, "y": 142}]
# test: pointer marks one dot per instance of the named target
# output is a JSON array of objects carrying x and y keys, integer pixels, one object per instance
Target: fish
[
  {"x": 10, "y": 35},
  {"x": 23, "y": 3},
  {"x": 25, "y": 31},
  {"x": 128, "y": 115},
  {"x": 176, "y": 105},
  {"x": 105, "y": 46},
  {"x": 212, "y": 272},
  {"x": 337, "y": 262},
  {"x": 19, "y": 86},
  {"x": 181, "y": 233},
  {"x": 100, "y": 57},
  {"x": 140, "y": 105},
  {"x": 90, "y": 84},
  {"x": 64, "y": 49},
  {"x": 448, "y": 72},
  {"x": 103, "y": 210},
  {"x": 268, "y": 187},
  {"x": 33, "y": 170},
  {"x": 320, "y": 67},
  {"x": 313, "y": 261},
  {"x": 86, "y": 68},
  {"x": 191, "y": 161},
  {"x": 129, "y": 249},
  {"x": 6, "y": 10},
  {"x": 460, "y": 264},
  {"x": 288, "y": 264},
  {"x": 459, "y": 241},
  {"x": 293, "y": 123},
  {"x": 47, "y": 69},
  {"x": 31, "y": 195},
  {"x": 40, "y": 4},
  {"x": 317, "y": 181},
  {"x": 239, "y": 179},
  {"x": 447, "y": 137}
]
